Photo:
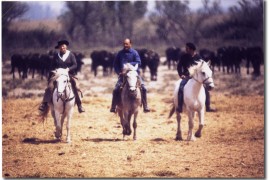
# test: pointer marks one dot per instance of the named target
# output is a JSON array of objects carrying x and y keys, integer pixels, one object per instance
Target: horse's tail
[
  {"x": 43, "y": 116},
  {"x": 172, "y": 111}
]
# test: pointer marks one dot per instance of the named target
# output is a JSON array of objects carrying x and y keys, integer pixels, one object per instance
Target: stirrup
[
  {"x": 81, "y": 109},
  {"x": 146, "y": 110},
  {"x": 43, "y": 107},
  {"x": 113, "y": 110}
]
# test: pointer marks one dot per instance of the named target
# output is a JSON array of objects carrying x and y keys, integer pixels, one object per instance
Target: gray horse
[{"x": 130, "y": 99}]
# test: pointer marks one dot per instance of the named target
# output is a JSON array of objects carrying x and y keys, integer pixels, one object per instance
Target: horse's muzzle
[
  {"x": 209, "y": 87},
  {"x": 133, "y": 93}
]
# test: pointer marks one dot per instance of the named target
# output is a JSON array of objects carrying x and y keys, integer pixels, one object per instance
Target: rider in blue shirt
[{"x": 127, "y": 55}]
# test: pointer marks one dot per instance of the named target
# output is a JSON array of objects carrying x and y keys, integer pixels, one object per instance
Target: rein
[{"x": 67, "y": 97}]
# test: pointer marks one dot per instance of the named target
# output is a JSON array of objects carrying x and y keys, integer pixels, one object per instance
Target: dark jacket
[
  {"x": 70, "y": 62},
  {"x": 185, "y": 62}
]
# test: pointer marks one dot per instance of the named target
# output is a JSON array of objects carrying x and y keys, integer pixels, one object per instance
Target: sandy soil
[{"x": 232, "y": 144}]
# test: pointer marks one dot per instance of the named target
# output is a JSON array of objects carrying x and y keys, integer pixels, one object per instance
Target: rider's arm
[
  {"x": 137, "y": 59},
  {"x": 116, "y": 64},
  {"x": 74, "y": 62},
  {"x": 180, "y": 68}
]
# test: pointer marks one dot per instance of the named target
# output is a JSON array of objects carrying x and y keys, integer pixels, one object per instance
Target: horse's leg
[
  {"x": 53, "y": 115},
  {"x": 135, "y": 125},
  {"x": 178, "y": 133},
  {"x": 120, "y": 113},
  {"x": 128, "y": 118},
  {"x": 62, "y": 122},
  {"x": 190, "y": 125},
  {"x": 68, "y": 125},
  {"x": 201, "y": 123},
  {"x": 58, "y": 125}
]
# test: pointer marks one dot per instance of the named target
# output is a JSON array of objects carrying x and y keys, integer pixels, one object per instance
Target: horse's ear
[
  {"x": 209, "y": 63},
  {"x": 53, "y": 72},
  {"x": 136, "y": 66}
]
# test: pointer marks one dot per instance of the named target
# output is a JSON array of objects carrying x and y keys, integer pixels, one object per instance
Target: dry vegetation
[{"x": 232, "y": 144}]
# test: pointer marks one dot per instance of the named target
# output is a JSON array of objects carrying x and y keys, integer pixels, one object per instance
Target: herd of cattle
[
  {"x": 38, "y": 63},
  {"x": 227, "y": 59}
]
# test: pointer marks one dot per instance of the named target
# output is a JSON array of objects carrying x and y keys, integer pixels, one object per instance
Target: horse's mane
[
  {"x": 129, "y": 67},
  {"x": 55, "y": 74},
  {"x": 192, "y": 69}
]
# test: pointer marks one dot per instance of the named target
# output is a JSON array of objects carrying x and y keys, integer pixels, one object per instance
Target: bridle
[
  {"x": 132, "y": 93},
  {"x": 66, "y": 98}
]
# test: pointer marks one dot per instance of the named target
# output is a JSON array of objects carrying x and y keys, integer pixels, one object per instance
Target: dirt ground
[{"x": 232, "y": 144}]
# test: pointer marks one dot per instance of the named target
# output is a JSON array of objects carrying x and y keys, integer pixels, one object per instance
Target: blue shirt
[{"x": 126, "y": 56}]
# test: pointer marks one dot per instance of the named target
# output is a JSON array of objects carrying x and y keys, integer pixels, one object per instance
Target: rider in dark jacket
[
  {"x": 127, "y": 55},
  {"x": 184, "y": 63},
  {"x": 64, "y": 59}
]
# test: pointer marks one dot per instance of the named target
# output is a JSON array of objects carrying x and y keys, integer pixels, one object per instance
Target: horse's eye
[{"x": 203, "y": 73}]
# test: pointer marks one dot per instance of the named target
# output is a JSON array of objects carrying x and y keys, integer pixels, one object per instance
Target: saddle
[{"x": 73, "y": 80}]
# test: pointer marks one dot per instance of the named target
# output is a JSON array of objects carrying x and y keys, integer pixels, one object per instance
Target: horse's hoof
[
  {"x": 198, "y": 134},
  {"x": 125, "y": 132},
  {"x": 178, "y": 138},
  {"x": 57, "y": 135},
  {"x": 129, "y": 132},
  {"x": 68, "y": 141}
]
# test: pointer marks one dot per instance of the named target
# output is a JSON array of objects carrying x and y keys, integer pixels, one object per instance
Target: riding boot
[
  {"x": 43, "y": 107},
  {"x": 114, "y": 100},
  {"x": 144, "y": 99},
  {"x": 207, "y": 102},
  {"x": 78, "y": 102}
]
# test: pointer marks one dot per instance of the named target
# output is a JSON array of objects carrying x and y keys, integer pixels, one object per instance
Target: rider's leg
[
  {"x": 116, "y": 94},
  {"x": 144, "y": 97},
  {"x": 181, "y": 95},
  {"x": 46, "y": 99},
  {"x": 76, "y": 94}
]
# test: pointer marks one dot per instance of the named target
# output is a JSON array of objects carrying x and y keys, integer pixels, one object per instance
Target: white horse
[
  {"x": 130, "y": 99},
  {"x": 194, "y": 97},
  {"x": 63, "y": 101}
]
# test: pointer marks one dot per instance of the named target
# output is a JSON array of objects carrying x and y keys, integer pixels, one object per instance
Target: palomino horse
[
  {"x": 63, "y": 101},
  {"x": 130, "y": 99},
  {"x": 194, "y": 97}
]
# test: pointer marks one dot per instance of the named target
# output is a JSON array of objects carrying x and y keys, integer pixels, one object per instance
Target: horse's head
[
  {"x": 131, "y": 77},
  {"x": 61, "y": 81},
  {"x": 203, "y": 74}
]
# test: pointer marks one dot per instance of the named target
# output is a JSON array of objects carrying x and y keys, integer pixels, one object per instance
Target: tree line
[{"x": 106, "y": 23}]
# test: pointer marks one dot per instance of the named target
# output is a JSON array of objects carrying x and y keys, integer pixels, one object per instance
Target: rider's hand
[
  {"x": 68, "y": 69},
  {"x": 183, "y": 76}
]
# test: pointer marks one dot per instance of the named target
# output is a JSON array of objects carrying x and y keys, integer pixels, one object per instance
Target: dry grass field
[{"x": 232, "y": 144}]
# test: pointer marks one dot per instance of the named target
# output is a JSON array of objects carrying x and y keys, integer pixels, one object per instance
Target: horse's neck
[
  {"x": 194, "y": 86},
  {"x": 69, "y": 91}
]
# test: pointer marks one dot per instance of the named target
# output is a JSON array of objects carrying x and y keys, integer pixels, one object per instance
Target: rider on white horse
[
  {"x": 187, "y": 60},
  {"x": 127, "y": 55},
  {"x": 63, "y": 59}
]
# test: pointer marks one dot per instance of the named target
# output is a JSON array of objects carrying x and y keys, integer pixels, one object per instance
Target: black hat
[
  {"x": 61, "y": 43},
  {"x": 191, "y": 46}
]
